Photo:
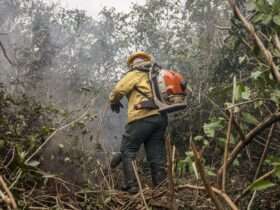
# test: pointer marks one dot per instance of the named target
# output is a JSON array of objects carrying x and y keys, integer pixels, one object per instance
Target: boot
[
  {"x": 131, "y": 185},
  {"x": 158, "y": 175},
  {"x": 116, "y": 160}
]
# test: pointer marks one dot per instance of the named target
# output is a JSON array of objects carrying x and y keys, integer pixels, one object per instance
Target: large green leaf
[
  {"x": 267, "y": 19},
  {"x": 251, "y": 5},
  {"x": 276, "y": 6},
  {"x": 263, "y": 6},
  {"x": 276, "y": 19},
  {"x": 259, "y": 17},
  {"x": 261, "y": 185}
]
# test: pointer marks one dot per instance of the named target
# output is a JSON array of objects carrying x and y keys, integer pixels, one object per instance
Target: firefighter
[{"x": 145, "y": 125}]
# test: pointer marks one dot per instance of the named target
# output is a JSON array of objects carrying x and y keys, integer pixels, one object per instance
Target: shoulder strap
[
  {"x": 142, "y": 93},
  {"x": 147, "y": 69}
]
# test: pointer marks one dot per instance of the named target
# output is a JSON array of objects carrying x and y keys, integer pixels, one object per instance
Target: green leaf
[
  {"x": 251, "y": 5},
  {"x": 263, "y": 6},
  {"x": 256, "y": 74},
  {"x": 275, "y": 96},
  {"x": 195, "y": 170},
  {"x": 272, "y": 160},
  {"x": 271, "y": 2},
  {"x": 276, "y": 20},
  {"x": 234, "y": 88},
  {"x": 258, "y": 104},
  {"x": 276, "y": 6},
  {"x": 276, "y": 164},
  {"x": 206, "y": 142},
  {"x": 260, "y": 4},
  {"x": 47, "y": 175},
  {"x": 238, "y": 91},
  {"x": 221, "y": 142},
  {"x": 246, "y": 93},
  {"x": 210, "y": 172},
  {"x": 33, "y": 163},
  {"x": 67, "y": 159},
  {"x": 2, "y": 144},
  {"x": 210, "y": 128},
  {"x": 242, "y": 59},
  {"x": 267, "y": 19},
  {"x": 242, "y": 92},
  {"x": 258, "y": 18},
  {"x": 277, "y": 172},
  {"x": 236, "y": 163},
  {"x": 108, "y": 200},
  {"x": 250, "y": 119},
  {"x": 181, "y": 167},
  {"x": 261, "y": 185},
  {"x": 198, "y": 138}
]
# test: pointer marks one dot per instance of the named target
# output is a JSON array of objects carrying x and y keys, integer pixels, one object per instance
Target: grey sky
[{"x": 94, "y": 6}]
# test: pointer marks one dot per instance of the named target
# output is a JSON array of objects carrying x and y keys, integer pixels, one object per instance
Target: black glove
[{"x": 116, "y": 107}]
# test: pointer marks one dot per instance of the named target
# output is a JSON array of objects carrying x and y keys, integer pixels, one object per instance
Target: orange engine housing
[{"x": 175, "y": 83}]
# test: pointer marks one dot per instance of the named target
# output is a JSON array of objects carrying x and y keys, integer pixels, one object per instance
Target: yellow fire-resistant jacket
[{"x": 125, "y": 87}]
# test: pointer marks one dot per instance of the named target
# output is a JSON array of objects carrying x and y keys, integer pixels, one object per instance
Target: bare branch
[
  {"x": 10, "y": 195},
  {"x": 247, "y": 189},
  {"x": 264, "y": 154},
  {"x": 249, "y": 137},
  {"x": 5, "y": 54},
  {"x": 223, "y": 28},
  {"x": 276, "y": 41},
  {"x": 170, "y": 171},
  {"x": 139, "y": 184},
  {"x": 229, "y": 128},
  {"x": 223, "y": 195},
  {"x": 239, "y": 129}
]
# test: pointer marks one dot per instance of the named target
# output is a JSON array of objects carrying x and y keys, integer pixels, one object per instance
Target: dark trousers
[{"x": 149, "y": 131}]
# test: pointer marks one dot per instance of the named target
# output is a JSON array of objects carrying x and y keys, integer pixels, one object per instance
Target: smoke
[{"x": 64, "y": 58}]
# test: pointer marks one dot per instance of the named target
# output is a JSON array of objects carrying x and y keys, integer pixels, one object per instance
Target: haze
[{"x": 93, "y": 7}]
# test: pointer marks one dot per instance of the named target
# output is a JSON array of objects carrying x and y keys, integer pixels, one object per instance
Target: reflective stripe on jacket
[{"x": 125, "y": 87}]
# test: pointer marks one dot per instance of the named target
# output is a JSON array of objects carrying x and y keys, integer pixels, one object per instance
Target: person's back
[
  {"x": 129, "y": 86},
  {"x": 145, "y": 124}
]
